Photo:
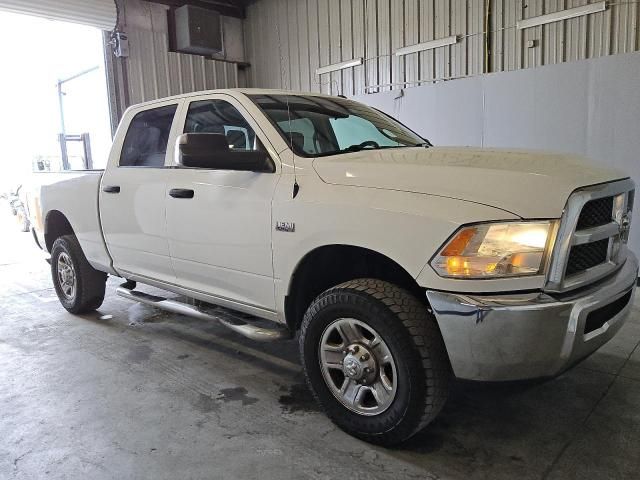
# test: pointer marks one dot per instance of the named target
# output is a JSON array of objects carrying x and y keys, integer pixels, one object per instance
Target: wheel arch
[
  {"x": 56, "y": 225},
  {"x": 329, "y": 265}
]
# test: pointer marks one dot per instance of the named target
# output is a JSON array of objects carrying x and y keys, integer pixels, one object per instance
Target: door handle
[
  {"x": 181, "y": 193},
  {"x": 111, "y": 189}
]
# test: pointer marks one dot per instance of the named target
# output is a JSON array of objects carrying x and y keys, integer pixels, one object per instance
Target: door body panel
[
  {"x": 220, "y": 240},
  {"x": 134, "y": 223},
  {"x": 133, "y": 200}
]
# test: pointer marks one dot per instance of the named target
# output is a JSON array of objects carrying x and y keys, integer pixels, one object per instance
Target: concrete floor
[{"x": 129, "y": 392}]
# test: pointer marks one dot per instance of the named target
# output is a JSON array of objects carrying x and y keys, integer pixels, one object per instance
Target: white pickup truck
[{"x": 400, "y": 264}]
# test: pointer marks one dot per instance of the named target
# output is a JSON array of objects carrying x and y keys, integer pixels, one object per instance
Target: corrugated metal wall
[
  {"x": 154, "y": 72},
  {"x": 151, "y": 71},
  {"x": 616, "y": 30},
  {"x": 287, "y": 40}
]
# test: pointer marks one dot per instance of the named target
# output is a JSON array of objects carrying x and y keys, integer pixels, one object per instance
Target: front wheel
[
  {"x": 79, "y": 286},
  {"x": 375, "y": 360}
]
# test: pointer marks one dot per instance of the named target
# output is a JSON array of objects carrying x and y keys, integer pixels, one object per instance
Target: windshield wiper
[
  {"x": 361, "y": 146},
  {"x": 371, "y": 145},
  {"x": 357, "y": 148}
]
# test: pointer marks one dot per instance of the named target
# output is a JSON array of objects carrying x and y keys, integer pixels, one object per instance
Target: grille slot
[
  {"x": 587, "y": 255},
  {"x": 595, "y": 213},
  {"x": 597, "y": 318}
]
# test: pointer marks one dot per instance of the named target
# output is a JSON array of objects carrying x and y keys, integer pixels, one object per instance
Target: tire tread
[
  {"x": 415, "y": 318},
  {"x": 91, "y": 283}
]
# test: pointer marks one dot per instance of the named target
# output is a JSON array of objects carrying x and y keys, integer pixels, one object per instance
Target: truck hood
[{"x": 528, "y": 184}]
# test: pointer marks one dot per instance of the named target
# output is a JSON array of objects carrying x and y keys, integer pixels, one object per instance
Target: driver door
[{"x": 220, "y": 236}]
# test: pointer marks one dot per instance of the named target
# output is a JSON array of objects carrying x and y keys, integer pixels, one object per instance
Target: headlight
[{"x": 492, "y": 250}]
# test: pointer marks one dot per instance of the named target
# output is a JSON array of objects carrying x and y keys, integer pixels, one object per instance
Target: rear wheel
[
  {"x": 375, "y": 360},
  {"x": 80, "y": 287}
]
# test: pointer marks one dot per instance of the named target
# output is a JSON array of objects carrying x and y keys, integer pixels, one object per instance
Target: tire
[
  {"x": 421, "y": 372},
  {"x": 89, "y": 283}
]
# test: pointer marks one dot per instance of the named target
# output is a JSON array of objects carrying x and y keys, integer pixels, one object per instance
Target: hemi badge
[{"x": 286, "y": 226}]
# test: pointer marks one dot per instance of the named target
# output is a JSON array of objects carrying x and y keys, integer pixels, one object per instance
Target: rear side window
[{"x": 145, "y": 144}]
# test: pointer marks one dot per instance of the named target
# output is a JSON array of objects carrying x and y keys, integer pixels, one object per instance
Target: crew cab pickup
[{"x": 398, "y": 264}]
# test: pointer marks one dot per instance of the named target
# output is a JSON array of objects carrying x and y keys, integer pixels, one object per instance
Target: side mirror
[{"x": 211, "y": 150}]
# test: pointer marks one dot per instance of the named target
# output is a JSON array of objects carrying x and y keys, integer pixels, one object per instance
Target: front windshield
[{"x": 320, "y": 126}]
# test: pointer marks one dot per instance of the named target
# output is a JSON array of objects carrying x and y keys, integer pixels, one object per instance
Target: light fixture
[
  {"x": 495, "y": 250},
  {"x": 419, "y": 47},
  {"x": 562, "y": 15},
  {"x": 339, "y": 66}
]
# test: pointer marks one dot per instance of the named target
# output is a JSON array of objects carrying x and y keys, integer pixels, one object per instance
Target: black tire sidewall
[
  {"x": 406, "y": 408},
  {"x": 90, "y": 283},
  {"x": 60, "y": 246}
]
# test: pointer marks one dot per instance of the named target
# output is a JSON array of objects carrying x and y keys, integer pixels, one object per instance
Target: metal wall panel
[
  {"x": 359, "y": 42},
  {"x": 346, "y": 34},
  {"x": 475, "y": 40},
  {"x": 294, "y": 36},
  {"x": 371, "y": 43},
  {"x": 397, "y": 34},
  {"x": 383, "y": 35},
  {"x": 335, "y": 51},
  {"x": 303, "y": 45},
  {"x": 426, "y": 59},
  {"x": 324, "y": 44},
  {"x": 411, "y": 36},
  {"x": 314, "y": 45},
  {"x": 154, "y": 72},
  {"x": 316, "y": 33}
]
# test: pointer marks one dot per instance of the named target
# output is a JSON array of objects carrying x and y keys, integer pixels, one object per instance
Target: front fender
[{"x": 405, "y": 227}]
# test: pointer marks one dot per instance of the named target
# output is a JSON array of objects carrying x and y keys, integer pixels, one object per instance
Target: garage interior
[{"x": 134, "y": 392}]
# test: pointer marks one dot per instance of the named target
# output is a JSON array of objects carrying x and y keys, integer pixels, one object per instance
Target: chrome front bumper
[{"x": 522, "y": 336}]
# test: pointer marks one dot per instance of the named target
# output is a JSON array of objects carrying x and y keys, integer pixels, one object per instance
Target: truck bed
[{"x": 52, "y": 192}]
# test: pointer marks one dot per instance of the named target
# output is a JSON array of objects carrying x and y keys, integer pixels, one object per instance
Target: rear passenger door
[{"x": 133, "y": 195}]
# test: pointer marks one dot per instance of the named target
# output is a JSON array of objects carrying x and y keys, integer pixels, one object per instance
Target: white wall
[{"x": 590, "y": 107}]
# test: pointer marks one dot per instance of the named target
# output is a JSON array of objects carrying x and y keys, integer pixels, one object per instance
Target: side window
[
  {"x": 302, "y": 133},
  {"x": 145, "y": 144},
  {"x": 219, "y": 116}
]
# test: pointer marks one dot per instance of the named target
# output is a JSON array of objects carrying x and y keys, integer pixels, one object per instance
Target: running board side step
[{"x": 222, "y": 315}]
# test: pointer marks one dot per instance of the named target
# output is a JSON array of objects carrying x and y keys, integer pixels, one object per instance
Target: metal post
[
  {"x": 86, "y": 144},
  {"x": 61, "y": 105},
  {"x": 62, "y": 138}
]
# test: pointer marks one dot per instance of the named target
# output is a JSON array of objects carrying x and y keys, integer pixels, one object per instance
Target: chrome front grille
[
  {"x": 587, "y": 255},
  {"x": 595, "y": 213},
  {"x": 591, "y": 238}
]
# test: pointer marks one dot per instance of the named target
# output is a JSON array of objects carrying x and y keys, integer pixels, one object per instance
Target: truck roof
[{"x": 246, "y": 91}]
